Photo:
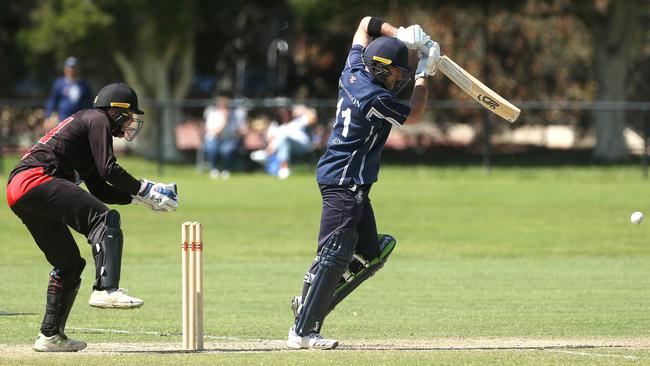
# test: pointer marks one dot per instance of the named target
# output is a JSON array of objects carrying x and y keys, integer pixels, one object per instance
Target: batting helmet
[{"x": 384, "y": 52}]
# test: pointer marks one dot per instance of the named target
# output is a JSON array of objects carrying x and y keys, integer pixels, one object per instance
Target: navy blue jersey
[
  {"x": 68, "y": 97},
  {"x": 365, "y": 113}
]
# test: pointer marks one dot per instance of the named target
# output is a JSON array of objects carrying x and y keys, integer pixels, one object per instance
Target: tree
[
  {"x": 12, "y": 61},
  {"x": 152, "y": 43},
  {"x": 154, "y": 49},
  {"x": 615, "y": 27}
]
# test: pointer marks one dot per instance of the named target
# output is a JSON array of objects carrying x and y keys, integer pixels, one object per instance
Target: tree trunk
[
  {"x": 150, "y": 73},
  {"x": 612, "y": 42}
]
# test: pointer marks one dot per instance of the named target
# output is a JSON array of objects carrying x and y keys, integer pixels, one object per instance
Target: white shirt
[{"x": 296, "y": 129}]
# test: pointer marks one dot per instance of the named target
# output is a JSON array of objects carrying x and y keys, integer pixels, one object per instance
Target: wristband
[{"x": 374, "y": 27}]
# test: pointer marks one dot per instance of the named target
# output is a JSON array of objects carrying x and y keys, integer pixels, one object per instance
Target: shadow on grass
[
  {"x": 10, "y": 313},
  {"x": 374, "y": 347},
  {"x": 500, "y": 156},
  {"x": 366, "y": 348}
]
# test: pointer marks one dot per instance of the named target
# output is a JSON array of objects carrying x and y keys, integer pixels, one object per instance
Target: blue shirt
[
  {"x": 68, "y": 97},
  {"x": 365, "y": 113}
]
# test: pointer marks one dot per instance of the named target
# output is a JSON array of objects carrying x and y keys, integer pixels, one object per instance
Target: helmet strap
[{"x": 120, "y": 116}]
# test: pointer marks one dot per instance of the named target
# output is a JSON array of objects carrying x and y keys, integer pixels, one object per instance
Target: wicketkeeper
[
  {"x": 349, "y": 248},
  {"x": 43, "y": 191}
]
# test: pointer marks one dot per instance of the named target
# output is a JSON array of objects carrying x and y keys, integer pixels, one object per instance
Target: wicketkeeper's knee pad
[
  {"x": 333, "y": 261},
  {"x": 360, "y": 269},
  {"x": 108, "y": 253}
]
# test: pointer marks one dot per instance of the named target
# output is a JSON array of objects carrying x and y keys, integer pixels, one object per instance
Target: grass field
[{"x": 526, "y": 266}]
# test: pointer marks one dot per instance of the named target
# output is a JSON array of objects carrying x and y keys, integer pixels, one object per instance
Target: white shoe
[
  {"x": 114, "y": 298},
  {"x": 225, "y": 174},
  {"x": 57, "y": 343},
  {"x": 259, "y": 156},
  {"x": 214, "y": 173},
  {"x": 312, "y": 340},
  {"x": 284, "y": 173}
]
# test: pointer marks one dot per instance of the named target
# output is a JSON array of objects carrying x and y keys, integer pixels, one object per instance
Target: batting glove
[
  {"x": 429, "y": 57},
  {"x": 413, "y": 36}
]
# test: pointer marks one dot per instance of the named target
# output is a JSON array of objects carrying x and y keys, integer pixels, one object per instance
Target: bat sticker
[{"x": 487, "y": 100}]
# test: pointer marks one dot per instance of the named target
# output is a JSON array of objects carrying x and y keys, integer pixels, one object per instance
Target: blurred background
[{"x": 579, "y": 70}]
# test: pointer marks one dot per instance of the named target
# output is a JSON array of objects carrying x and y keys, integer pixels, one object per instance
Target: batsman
[
  {"x": 349, "y": 248},
  {"x": 43, "y": 191}
]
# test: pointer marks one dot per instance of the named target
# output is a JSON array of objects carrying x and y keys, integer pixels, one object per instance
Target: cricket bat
[{"x": 487, "y": 97}]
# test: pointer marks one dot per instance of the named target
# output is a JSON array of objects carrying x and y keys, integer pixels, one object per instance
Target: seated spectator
[
  {"x": 224, "y": 128},
  {"x": 287, "y": 139}
]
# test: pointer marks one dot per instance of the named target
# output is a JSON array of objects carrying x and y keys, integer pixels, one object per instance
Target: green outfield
[{"x": 526, "y": 266}]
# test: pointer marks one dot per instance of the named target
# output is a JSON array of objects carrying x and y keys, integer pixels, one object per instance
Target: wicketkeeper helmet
[{"x": 120, "y": 95}]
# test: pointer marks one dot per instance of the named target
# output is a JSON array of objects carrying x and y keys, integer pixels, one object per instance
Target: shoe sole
[
  {"x": 328, "y": 348},
  {"x": 116, "y": 306},
  {"x": 293, "y": 345},
  {"x": 45, "y": 349}
]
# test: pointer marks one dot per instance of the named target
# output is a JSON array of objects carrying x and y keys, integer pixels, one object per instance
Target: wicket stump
[{"x": 192, "y": 277}]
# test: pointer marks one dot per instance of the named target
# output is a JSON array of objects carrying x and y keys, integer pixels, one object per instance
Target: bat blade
[{"x": 487, "y": 97}]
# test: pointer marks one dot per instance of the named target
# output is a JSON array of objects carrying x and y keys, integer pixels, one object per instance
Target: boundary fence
[{"x": 544, "y": 113}]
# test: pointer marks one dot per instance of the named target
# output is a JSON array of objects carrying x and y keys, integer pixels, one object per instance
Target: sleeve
[
  {"x": 354, "y": 60},
  {"x": 300, "y": 122},
  {"x": 101, "y": 147},
  {"x": 388, "y": 109},
  {"x": 53, "y": 99},
  {"x": 106, "y": 192}
]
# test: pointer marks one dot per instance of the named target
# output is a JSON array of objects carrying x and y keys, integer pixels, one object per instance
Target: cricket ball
[{"x": 636, "y": 217}]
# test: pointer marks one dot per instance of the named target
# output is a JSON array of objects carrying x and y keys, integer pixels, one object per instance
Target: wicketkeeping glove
[
  {"x": 157, "y": 196},
  {"x": 429, "y": 57},
  {"x": 413, "y": 36}
]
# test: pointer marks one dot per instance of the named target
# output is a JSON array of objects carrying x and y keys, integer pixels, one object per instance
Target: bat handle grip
[{"x": 427, "y": 46}]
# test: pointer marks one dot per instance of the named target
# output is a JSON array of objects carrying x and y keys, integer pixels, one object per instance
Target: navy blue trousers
[{"x": 347, "y": 207}]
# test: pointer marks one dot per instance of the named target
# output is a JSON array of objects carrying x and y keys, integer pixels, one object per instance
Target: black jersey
[{"x": 83, "y": 143}]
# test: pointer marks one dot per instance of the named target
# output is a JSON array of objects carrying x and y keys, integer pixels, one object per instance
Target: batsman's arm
[
  {"x": 429, "y": 56},
  {"x": 364, "y": 34},
  {"x": 419, "y": 100}
]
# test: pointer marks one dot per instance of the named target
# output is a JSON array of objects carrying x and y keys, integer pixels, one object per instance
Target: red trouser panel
[{"x": 23, "y": 182}]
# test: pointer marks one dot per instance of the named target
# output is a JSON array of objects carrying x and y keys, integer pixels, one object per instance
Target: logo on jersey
[
  {"x": 353, "y": 79},
  {"x": 48, "y": 136},
  {"x": 347, "y": 92}
]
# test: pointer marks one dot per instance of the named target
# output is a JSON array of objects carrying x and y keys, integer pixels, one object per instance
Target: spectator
[
  {"x": 69, "y": 94},
  {"x": 224, "y": 129},
  {"x": 287, "y": 139}
]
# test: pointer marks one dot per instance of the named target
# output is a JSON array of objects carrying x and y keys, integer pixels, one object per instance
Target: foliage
[
  {"x": 20, "y": 126},
  {"x": 525, "y": 50},
  {"x": 537, "y": 41},
  {"x": 64, "y": 26}
]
